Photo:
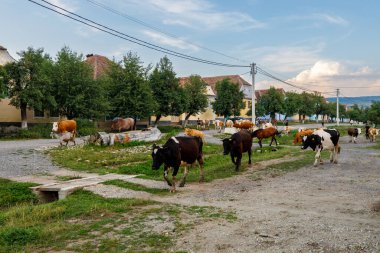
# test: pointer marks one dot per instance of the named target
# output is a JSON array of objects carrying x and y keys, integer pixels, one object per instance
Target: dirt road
[{"x": 315, "y": 209}]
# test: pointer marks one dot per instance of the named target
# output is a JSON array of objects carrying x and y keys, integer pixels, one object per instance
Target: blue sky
[{"x": 319, "y": 45}]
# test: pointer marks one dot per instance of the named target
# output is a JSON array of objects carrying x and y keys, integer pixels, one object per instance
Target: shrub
[{"x": 86, "y": 127}]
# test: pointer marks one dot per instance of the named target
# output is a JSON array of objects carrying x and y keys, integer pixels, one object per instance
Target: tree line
[
  {"x": 65, "y": 86},
  {"x": 309, "y": 104}
]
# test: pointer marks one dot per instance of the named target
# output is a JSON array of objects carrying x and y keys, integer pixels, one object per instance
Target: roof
[
  {"x": 5, "y": 57},
  {"x": 98, "y": 63},
  {"x": 211, "y": 82},
  {"x": 260, "y": 93}
]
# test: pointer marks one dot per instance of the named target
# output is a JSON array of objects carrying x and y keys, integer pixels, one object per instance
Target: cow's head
[
  {"x": 311, "y": 141},
  {"x": 158, "y": 155},
  {"x": 227, "y": 144},
  {"x": 55, "y": 127},
  {"x": 359, "y": 130}
]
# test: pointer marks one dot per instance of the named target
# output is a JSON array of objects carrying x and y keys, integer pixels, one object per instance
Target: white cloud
[
  {"x": 200, "y": 14},
  {"x": 286, "y": 59},
  {"x": 331, "y": 19},
  {"x": 328, "y": 75},
  {"x": 68, "y": 5},
  {"x": 165, "y": 40}
]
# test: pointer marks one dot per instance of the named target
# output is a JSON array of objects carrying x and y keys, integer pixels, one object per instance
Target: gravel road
[{"x": 23, "y": 158}]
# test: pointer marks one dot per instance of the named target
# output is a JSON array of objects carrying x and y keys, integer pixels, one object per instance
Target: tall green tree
[
  {"x": 307, "y": 106},
  {"x": 272, "y": 102},
  {"x": 76, "y": 93},
  {"x": 130, "y": 92},
  {"x": 167, "y": 93},
  {"x": 320, "y": 106},
  {"x": 374, "y": 112},
  {"x": 195, "y": 90},
  {"x": 292, "y": 103},
  {"x": 229, "y": 100},
  {"x": 29, "y": 82}
]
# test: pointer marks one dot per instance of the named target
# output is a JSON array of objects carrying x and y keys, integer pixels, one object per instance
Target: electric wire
[
  {"x": 128, "y": 37},
  {"x": 138, "y": 21}
]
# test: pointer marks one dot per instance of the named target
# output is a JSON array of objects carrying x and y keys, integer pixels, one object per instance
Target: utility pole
[
  {"x": 253, "y": 73},
  {"x": 337, "y": 107}
]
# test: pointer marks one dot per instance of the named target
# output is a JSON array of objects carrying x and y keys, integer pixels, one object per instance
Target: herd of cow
[{"x": 187, "y": 150}]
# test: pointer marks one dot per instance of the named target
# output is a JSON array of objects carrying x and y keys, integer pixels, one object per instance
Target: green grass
[
  {"x": 136, "y": 187},
  {"x": 13, "y": 193},
  {"x": 85, "y": 222},
  {"x": 134, "y": 160}
]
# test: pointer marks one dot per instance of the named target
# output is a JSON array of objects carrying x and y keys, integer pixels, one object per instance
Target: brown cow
[
  {"x": 64, "y": 126},
  {"x": 265, "y": 133},
  {"x": 122, "y": 124},
  {"x": 194, "y": 132},
  {"x": 299, "y": 135},
  {"x": 354, "y": 132}
]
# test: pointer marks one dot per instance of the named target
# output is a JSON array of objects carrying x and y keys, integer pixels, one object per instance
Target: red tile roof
[
  {"x": 98, "y": 63},
  {"x": 260, "y": 93},
  {"x": 236, "y": 79}
]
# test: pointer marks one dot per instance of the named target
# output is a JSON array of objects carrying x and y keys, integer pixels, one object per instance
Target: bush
[{"x": 86, "y": 127}]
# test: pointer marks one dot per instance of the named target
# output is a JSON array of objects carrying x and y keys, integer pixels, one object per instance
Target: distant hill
[{"x": 364, "y": 101}]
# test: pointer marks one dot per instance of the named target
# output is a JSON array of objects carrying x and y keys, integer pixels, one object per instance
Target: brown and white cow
[
  {"x": 65, "y": 131},
  {"x": 218, "y": 125},
  {"x": 353, "y": 133},
  {"x": 323, "y": 139},
  {"x": 372, "y": 133}
]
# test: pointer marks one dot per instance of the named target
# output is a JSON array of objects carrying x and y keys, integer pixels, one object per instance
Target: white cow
[{"x": 64, "y": 137}]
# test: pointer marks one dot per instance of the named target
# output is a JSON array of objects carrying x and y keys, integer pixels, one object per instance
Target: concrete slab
[{"x": 60, "y": 190}]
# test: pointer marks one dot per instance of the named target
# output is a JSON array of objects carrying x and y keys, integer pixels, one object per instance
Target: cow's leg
[
  {"x": 275, "y": 140},
  {"x": 317, "y": 157},
  {"x": 336, "y": 152},
  {"x": 174, "y": 176},
  {"x": 201, "y": 163},
  {"x": 238, "y": 161},
  {"x": 233, "y": 158},
  {"x": 261, "y": 145},
  {"x": 166, "y": 171},
  {"x": 249, "y": 155},
  {"x": 183, "y": 181}
]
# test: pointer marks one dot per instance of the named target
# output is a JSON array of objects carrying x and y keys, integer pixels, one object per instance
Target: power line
[
  {"x": 138, "y": 21},
  {"x": 129, "y": 38}
]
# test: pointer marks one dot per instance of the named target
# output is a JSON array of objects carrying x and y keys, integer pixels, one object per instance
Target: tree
[
  {"x": 307, "y": 105},
  {"x": 320, "y": 106},
  {"x": 76, "y": 93},
  {"x": 130, "y": 92},
  {"x": 272, "y": 102},
  {"x": 167, "y": 93},
  {"x": 292, "y": 103},
  {"x": 3, "y": 84},
  {"x": 29, "y": 82},
  {"x": 195, "y": 90},
  {"x": 229, "y": 100},
  {"x": 374, "y": 112}
]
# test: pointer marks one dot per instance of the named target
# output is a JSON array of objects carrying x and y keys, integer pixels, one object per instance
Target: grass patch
[
  {"x": 136, "y": 187},
  {"x": 86, "y": 222},
  {"x": 376, "y": 146},
  {"x": 13, "y": 193}
]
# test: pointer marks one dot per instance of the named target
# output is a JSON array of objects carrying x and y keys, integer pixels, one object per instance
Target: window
[{"x": 54, "y": 113}]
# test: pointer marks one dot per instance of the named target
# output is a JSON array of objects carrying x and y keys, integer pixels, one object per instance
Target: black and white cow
[
  {"x": 177, "y": 151},
  {"x": 354, "y": 132},
  {"x": 323, "y": 139}
]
